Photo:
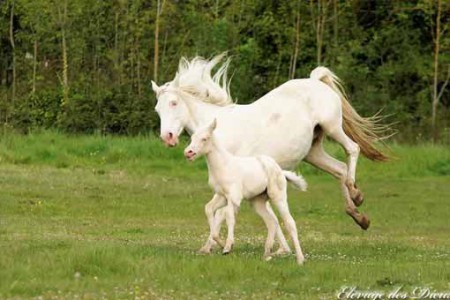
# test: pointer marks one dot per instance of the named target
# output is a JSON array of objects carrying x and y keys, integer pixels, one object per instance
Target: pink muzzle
[{"x": 170, "y": 139}]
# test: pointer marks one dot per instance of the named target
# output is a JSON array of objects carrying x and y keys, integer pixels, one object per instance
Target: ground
[{"x": 89, "y": 216}]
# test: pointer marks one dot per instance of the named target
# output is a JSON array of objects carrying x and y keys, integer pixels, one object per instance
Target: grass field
[{"x": 122, "y": 218}]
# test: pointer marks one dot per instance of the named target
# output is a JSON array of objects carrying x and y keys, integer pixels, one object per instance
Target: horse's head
[
  {"x": 201, "y": 142},
  {"x": 173, "y": 113}
]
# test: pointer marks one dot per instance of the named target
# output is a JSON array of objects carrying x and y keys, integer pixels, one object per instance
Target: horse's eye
[
  {"x": 173, "y": 103},
  {"x": 204, "y": 139}
]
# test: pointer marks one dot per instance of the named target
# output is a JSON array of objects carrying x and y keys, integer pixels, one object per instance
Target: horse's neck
[
  {"x": 218, "y": 158},
  {"x": 201, "y": 113}
]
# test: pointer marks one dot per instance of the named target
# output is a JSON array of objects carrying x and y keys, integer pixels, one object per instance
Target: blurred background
[{"x": 85, "y": 66}]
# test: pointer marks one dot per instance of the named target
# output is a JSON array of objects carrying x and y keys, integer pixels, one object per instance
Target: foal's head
[{"x": 200, "y": 142}]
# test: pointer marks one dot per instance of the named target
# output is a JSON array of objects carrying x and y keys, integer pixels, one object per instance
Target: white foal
[{"x": 234, "y": 178}]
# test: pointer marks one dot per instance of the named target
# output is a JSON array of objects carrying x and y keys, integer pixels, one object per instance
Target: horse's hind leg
[
  {"x": 319, "y": 158},
  {"x": 352, "y": 150},
  {"x": 322, "y": 160},
  {"x": 351, "y": 193}
]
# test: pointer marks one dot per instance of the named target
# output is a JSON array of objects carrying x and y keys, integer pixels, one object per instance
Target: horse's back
[{"x": 281, "y": 123}]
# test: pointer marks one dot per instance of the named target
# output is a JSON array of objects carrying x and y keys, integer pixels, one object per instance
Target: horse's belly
[{"x": 285, "y": 143}]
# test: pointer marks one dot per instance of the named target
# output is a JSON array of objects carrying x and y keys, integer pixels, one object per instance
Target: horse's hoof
[
  {"x": 365, "y": 222},
  {"x": 226, "y": 252},
  {"x": 358, "y": 199}
]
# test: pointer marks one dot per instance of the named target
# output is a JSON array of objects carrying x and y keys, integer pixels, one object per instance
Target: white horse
[
  {"x": 287, "y": 124},
  {"x": 234, "y": 177}
]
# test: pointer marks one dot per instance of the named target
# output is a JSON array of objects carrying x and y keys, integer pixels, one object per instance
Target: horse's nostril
[{"x": 170, "y": 135}]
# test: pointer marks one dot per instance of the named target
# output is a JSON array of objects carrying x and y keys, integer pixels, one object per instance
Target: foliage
[{"x": 383, "y": 51}]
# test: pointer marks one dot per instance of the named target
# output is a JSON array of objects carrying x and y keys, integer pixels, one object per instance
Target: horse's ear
[
  {"x": 176, "y": 80},
  {"x": 155, "y": 87},
  {"x": 213, "y": 125}
]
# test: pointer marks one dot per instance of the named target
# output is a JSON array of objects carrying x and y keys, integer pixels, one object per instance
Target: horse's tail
[
  {"x": 297, "y": 180},
  {"x": 364, "y": 131}
]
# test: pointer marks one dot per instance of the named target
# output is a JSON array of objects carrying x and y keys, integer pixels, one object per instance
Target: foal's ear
[
  {"x": 155, "y": 87},
  {"x": 213, "y": 125}
]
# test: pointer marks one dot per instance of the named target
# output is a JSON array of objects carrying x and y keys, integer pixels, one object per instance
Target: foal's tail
[
  {"x": 364, "y": 131},
  {"x": 297, "y": 180}
]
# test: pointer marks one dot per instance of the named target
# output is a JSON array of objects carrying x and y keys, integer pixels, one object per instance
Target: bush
[{"x": 40, "y": 110}]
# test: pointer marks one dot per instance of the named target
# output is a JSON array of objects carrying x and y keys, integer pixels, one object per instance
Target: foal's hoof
[
  {"x": 204, "y": 250},
  {"x": 282, "y": 252},
  {"x": 267, "y": 257},
  {"x": 226, "y": 252},
  {"x": 301, "y": 261},
  {"x": 365, "y": 222}
]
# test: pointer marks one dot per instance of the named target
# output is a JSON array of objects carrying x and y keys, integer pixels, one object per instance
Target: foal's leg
[
  {"x": 260, "y": 206},
  {"x": 267, "y": 215},
  {"x": 279, "y": 198},
  {"x": 233, "y": 199},
  {"x": 231, "y": 221},
  {"x": 210, "y": 208},
  {"x": 284, "y": 246}
]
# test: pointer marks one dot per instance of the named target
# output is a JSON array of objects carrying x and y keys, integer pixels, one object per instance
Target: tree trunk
[
  {"x": 65, "y": 65},
  {"x": 435, "y": 101},
  {"x": 33, "y": 89},
  {"x": 318, "y": 35},
  {"x": 297, "y": 41},
  {"x": 138, "y": 71},
  {"x": 335, "y": 23},
  {"x": 116, "y": 49},
  {"x": 322, "y": 6},
  {"x": 156, "y": 52},
  {"x": 13, "y": 47}
]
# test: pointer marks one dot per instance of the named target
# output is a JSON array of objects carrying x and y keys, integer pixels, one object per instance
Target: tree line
[{"x": 86, "y": 65}]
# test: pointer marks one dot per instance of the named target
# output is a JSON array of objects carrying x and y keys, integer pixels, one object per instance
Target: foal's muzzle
[{"x": 189, "y": 154}]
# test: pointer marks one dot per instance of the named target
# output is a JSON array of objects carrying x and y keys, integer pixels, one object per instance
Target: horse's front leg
[{"x": 211, "y": 207}]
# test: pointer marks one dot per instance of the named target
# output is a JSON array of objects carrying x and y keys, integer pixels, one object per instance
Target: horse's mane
[{"x": 194, "y": 77}]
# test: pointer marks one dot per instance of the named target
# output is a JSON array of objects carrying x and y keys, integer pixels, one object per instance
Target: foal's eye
[
  {"x": 204, "y": 139},
  {"x": 173, "y": 103}
]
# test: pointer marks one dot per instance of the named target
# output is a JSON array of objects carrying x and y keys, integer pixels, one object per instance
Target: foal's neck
[{"x": 218, "y": 157}]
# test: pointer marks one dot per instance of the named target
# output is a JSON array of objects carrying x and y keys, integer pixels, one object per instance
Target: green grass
[{"x": 122, "y": 218}]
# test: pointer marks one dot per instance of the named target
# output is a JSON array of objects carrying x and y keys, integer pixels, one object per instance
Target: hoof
[
  {"x": 301, "y": 261},
  {"x": 282, "y": 252},
  {"x": 226, "y": 252},
  {"x": 364, "y": 223},
  {"x": 358, "y": 199},
  {"x": 204, "y": 250},
  {"x": 355, "y": 194},
  {"x": 267, "y": 257}
]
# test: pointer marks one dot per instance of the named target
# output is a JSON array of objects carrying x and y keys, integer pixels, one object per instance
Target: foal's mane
[{"x": 194, "y": 78}]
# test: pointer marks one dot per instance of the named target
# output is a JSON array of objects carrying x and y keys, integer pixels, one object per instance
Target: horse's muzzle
[{"x": 170, "y": 139}]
